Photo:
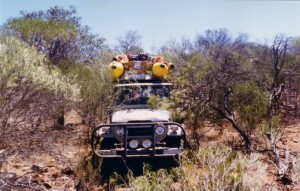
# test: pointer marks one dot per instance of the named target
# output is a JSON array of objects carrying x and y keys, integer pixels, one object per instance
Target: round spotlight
[
  {"x": 134, "y": 144},
  {"x": 160, "y": 130},
  {"x": 147, "y": 143},
  {"x": 120, "y": 131}
]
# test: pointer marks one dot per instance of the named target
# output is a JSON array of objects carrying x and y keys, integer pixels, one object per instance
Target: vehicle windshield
[{"x": 139, "y": 95}]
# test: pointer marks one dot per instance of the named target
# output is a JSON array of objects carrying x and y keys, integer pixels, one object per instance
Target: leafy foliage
[
  {"x": 58, "y": 33},
  {"x": 49, "y": 29},
  {"x": 221, "y": 77},
  {"x": 251, "y": 104},
  {"x": 22, "y": 63},
  {"x": 96, "y": 92}
]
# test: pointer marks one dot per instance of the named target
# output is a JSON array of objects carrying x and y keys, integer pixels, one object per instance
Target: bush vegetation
[
  {"x": 253, "y": 87},
  {"x": 28, "y": 85},
  {"x": 209, "y": 168},
  {"x": 96, "y": 92}
]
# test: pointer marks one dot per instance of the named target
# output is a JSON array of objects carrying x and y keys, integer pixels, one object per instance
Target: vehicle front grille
[
  {"x": 146, "y": 131},
  {"x": 140, "y": 130}
]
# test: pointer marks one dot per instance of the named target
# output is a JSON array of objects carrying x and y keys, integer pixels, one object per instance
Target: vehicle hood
[{"x": 127, "y": 115}]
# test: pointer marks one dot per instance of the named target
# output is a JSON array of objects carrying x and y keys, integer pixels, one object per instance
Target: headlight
[
  {"x": 160, "y": 130},
  {"x": 134, "y": 144},
  {"x": 120, "y": 131},
  {"x": 147, "y": 143}
]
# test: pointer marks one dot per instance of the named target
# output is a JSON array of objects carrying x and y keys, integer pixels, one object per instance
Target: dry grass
[{"x": 209, "y": 168}]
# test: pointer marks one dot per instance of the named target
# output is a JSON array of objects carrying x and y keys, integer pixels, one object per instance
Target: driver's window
[
  {"x": 136, "y": 93},
  {"x": 147, "y": 92},
  {"x": 126, "y": 93},
  {"x": 160, "y": 92}
]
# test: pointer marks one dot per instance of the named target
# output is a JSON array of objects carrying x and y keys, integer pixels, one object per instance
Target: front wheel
[
  {"x": 109, "y": 166},
  {"x": 165, "y": 162}
]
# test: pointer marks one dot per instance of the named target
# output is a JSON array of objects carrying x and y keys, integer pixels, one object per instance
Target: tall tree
[
  {"x": 276, "y": 70},
  {"x": 129, "y": 43},
  {"x": 58, "y": 33},
  {"x": 225, "y": 70},
  {"x": 215, "y": 66}
]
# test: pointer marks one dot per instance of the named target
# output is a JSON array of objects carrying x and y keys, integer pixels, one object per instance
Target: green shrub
[
  {"x": 20, "y": 62},
  {"x": 251, "y": 103},
  {"x": 96, "y": 91}
]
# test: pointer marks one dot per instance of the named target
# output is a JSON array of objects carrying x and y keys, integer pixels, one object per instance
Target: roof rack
[
  {"x": 157, "y": 80},
  {"x": 139, "y": 68}
]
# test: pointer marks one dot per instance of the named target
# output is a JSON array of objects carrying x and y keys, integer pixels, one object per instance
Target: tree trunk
[{"x": 237, "y": 128}]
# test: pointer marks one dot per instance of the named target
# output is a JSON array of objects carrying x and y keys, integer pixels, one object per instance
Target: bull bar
[{"x": 154, "y": 151}]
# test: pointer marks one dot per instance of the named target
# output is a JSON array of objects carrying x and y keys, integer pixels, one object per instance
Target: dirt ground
[{"x": 46, "y": 158}]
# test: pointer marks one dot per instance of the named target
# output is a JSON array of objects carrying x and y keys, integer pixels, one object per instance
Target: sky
[{"x": 159, "y": 21}]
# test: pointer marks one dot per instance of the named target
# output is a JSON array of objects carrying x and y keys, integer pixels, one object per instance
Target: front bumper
[
  {"x": 156, "y": 150},
  {"x": 132, "y": 153}
]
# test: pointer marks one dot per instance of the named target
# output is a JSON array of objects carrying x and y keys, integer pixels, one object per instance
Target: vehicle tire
[
  {"x": 172, "y": 162},
  {"x": 173, "y": 142},
  {"x": 107, "y": 143},
  {"x": 164, "y": 163},
  {"x": 106, "y": 169},
  {"x": 109, "y": 166}
]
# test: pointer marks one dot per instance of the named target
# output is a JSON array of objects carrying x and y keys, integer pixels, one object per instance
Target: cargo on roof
[{"x": 139, "y": 67}]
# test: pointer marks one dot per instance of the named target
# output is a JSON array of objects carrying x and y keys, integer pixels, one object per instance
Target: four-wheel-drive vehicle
[{"x": 135, "y": 130}]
